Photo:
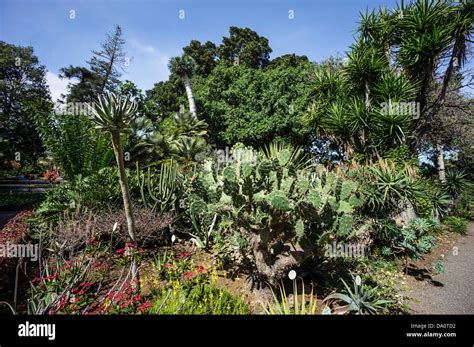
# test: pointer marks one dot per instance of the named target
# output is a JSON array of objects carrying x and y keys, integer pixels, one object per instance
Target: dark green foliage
[
  {"x": 22, "y": 82},
  {"x": 456, "y": 183},
  {"x": 387, "y": 186},
  {"x": 254, "y": 106},
  {"x": 205, "y": 56},
  {"x": 411, "y": 241},
  {"x": 73, "y": 142},
  {"x": 20, "y": 200},
  {"x": 456, "y": 224},
  {"x": 96, "y": 191},
  {"x": 165, "y": 98},
  {"x": 244, "y": 47},
  {"x": 103, "y": 72}
]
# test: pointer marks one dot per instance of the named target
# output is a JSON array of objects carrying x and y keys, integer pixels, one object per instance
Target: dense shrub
[
  {"x": 387, "y": 185},
  {"x": 456, "y": 224}
]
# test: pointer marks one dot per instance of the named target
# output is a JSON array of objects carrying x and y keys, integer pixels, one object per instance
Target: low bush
[
  {"x": 199, "y": 299},
  {"x": 456, "y": 224},
  {"x": 182, "y": 286},
  {"x": 411, "y": 241},
  {"x": 75, "y": 230}
]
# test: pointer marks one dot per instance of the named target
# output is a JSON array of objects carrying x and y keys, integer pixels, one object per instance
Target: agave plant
[
  {"x": 299, "y": 306},
  {"x": 456, "y": 183},
  {"x": 360, "y": 300},
  {"x": 388, "y": 185},
  {"x": 295, "y": 155}
]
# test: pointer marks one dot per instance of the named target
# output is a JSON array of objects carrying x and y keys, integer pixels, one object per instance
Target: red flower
[
  {"x": 200, "y": 269},
  {"x": 187, "y": 275},
  {"x": 183, "y": 255}
]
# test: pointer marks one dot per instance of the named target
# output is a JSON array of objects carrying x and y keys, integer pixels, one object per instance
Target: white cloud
[
  {"x": 141, "y": 47},
  {"x": 56, "y": 85}
]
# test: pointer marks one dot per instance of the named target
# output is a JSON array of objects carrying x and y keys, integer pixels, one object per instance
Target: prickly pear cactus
[{"x": 277, "y": 207}]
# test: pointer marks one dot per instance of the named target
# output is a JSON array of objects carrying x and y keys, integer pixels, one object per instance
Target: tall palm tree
[
  {"x": 114, "y": 114},
  {"x": 184, "y": 67}
]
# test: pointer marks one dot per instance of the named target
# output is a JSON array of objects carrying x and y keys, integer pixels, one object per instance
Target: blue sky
[{"x": 154, "y": 32}]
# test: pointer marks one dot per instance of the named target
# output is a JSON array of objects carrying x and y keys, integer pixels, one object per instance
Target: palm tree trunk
[
  {"x": 189, "y": 93},
  {"x": 127, "y": 205},
  {"x": 440, "y": 162}
]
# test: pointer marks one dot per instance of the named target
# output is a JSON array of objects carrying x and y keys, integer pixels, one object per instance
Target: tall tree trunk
[
  {"x": 127, "y": 205},
  {"x": 440, "y": 162},
  {"x": 189, "y": 93}
]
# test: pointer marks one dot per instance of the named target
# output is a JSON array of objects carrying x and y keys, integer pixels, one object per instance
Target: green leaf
[
  {"x": 344, "y": 207},
  {"x": 315, "y": 199},
  {"x": 299, "y": 229}
]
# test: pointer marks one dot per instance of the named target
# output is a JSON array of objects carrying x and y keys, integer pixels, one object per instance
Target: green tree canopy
[
  {"x": 22, "y": 80},
  {"x": 254, "y": 106},
  {"x": 245, "y": 47}
]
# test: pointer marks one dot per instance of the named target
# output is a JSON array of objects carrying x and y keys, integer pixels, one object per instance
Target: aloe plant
[
  {"x": 360, "y": 300},
  {"x": 115, "y": 114}
]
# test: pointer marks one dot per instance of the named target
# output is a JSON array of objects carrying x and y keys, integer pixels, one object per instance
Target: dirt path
[{"x": 453, "y": 291}]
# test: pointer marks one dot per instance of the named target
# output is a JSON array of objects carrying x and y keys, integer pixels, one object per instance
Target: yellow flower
[{"x": 214, "y": 276}]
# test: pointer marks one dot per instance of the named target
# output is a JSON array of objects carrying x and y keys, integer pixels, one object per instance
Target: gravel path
[{"x": 453, "y": 291}]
